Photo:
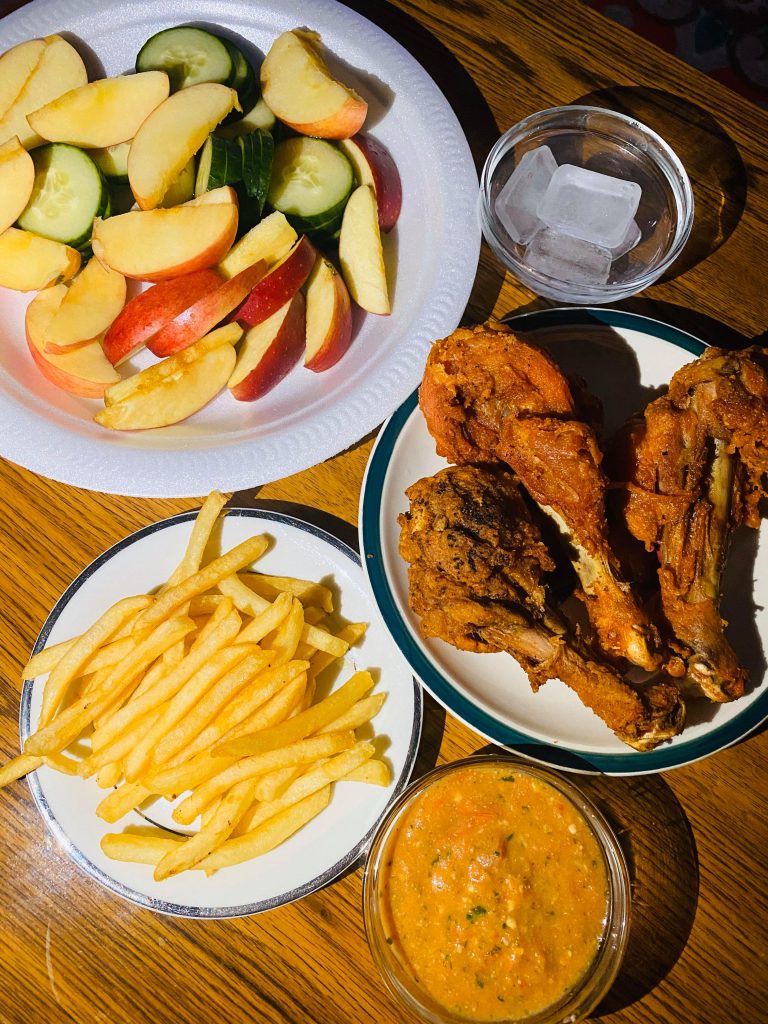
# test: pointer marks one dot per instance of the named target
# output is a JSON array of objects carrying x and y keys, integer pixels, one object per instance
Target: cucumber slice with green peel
[
  {"x": 258, "y": 150},
  {"x": 243, "y": 80},
  {"x": 69, "y": 193},
  {"x": 188, "y": 56},
  {"x": 112, "y": 162},
  {"x": 220, "y": 164},
  {"x": 311, "y": 183}
]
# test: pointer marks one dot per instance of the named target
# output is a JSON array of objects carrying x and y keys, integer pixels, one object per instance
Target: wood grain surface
[{"x": 696, "y": 837}]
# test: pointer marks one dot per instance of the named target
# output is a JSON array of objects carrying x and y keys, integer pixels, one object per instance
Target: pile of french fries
[{"x": 206, "y": 689}]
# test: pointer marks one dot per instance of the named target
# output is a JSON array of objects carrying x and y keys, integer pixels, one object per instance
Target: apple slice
[
  {"x": 101, "y": 113},
  {"x": 269, "y": 240},
  {"x": 16, "y": 67},
  {"x": 300, "y": 90},
  {"x": 17, "y": 179},
  {"x": 92, "y": 302},
  {"x": 153, "y": 245},
  {"x": 193, "y": 322},
  {"x": 175, "y": 388},
  {"x": 151, "y": 310},
  {"x": 59, "y": 69},
  {"x": 29, "y": 263},
  {"x": 84, "y": 371},
  {"x": 374, "y": 166},
  {"x": 171, "y": 135},
  {"x": 360, "y": 252},
  {"x": 329, "y": 317},
  {"x": 225, "y": 194},
  {"x": 269, "y": 351},
  {"x": 280, "y": 284}
]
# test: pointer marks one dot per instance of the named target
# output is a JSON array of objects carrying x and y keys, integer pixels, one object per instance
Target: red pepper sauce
[{"x": 494, "y": 892}]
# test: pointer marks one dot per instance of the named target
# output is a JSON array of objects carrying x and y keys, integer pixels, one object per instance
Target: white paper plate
[
  {"x": 309, "y": 417},
  {"x": 328, "y": 845},
  {"x": 623, "y": 358}
]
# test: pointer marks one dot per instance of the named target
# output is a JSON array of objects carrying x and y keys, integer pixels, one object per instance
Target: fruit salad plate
[
  {"x": 625, "y": 359},
  {"x": 309, "y": 416}
]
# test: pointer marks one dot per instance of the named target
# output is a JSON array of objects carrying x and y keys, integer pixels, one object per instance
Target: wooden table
[{"x": 697, "y": 837}]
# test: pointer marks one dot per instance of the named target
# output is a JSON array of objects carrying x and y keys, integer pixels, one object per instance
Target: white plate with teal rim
[
  {"x": 625, "y": 359},
  {"x": 329, "y": 844},
  {"x": 431, "y": 253}
]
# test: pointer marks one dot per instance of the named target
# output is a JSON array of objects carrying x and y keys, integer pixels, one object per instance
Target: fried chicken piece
[
  {"x": 695, "y": 465},
  {"x": 476, "y": 563},
  {"x": 487, "y": 396}
]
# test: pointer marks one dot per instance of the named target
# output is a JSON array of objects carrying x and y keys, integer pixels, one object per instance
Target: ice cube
[
  {"x": 568, "y": 259},
  {"x": 629, "y": 241},
  {"x": 517, "y": 201},
  {"x": 594, "y": 207}
]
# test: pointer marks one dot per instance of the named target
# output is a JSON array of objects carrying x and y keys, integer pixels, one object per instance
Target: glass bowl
[
  {"x": 611, "y": 144},
  {"x": 576, "y": 1001}
]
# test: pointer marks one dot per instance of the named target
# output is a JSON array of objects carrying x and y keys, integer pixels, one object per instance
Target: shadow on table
[{"x": 709, "y": 155}]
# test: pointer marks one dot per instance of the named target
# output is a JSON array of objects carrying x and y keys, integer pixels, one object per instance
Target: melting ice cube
[
  {"x": 517, "y": 202},
  {"x": 568, "y": 259},
  {"x": 594, "y": 207},
  {"x": 629, "y": 241}
]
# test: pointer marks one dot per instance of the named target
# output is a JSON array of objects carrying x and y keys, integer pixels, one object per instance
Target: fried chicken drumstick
[
  {"x": 476, "y": 562},
  {"x": 488, "y": 396},
  {"x": 695, "y": 465}
]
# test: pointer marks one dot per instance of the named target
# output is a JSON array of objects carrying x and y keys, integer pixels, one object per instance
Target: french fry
[
  {"x": 351, "y": 633},
  {"x": 303, "y": 752},
  {"x": 191, "y": 852},
  {"x": 178, "y": 779},
  {"x": 269, "y": 835},
  {"x": 373, "y": 772},
  {"x": 315, "y": 779},
  {"x": 205, "y": 604},
  {"x": 245, "y": 553},
  {"x": 205, "y": 521},
  {"x": 324, "y": 641},
  {"x": 313, "y": 615},
  {"x": 109, "y": 775},
  {"x": 308, "y": 593},
  {"x": 246, "y": 600},
  {"x": 122, "y": 800},
  {"x": 139, "y": 849},
  {"x": 119, "y": 747},
  {"x": 274, "y": 783},
  {"x": 302, "y": 725},
  {"x": 68, "y": 725},
  {"x": 71, "y": 664},
  {"x": 18, "y": 767},
  {"x": 286, "y": 638},
  {"x": 264, "y": 621},
  {"x": 360, "y": 713}
]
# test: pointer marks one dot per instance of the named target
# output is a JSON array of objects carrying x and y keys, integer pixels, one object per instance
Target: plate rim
[
  {"x": 72, "y": 453},
  {"x": 554, "y": 754},
  {"x": 67, "y": 844}
]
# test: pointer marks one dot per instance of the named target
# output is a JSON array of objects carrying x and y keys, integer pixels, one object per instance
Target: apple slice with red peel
[
  {"x": 17, "y": 179},
  {"x": 329, "y": 317},
  {"x": 193, "y": 322},
  {"x": 374, "y": 166},
  {"x": 84, "y": 371},
  {"x": 175, "y": 388},
  {"x": 29, "y": 263},
  {"x": 269, "y": 351},
  {"x": 299, "y": 89},
  {"x": 153, "y": 245},
  {"x": 360, "y": 252},
  {"x": 280, "y": 284},
  {"x": 171, "y": 135},
  {"x": 92, "y": 302},
  {"x": 150, "y": 311}
]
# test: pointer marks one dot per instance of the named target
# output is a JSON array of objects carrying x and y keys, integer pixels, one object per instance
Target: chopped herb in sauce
[{"x": 476, "y": 912}]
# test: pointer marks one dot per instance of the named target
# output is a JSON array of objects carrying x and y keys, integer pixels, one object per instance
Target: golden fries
[{"x": 205, "y": 692}]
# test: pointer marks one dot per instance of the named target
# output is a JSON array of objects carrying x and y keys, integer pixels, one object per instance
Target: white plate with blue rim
[
  {"x": 327, "y": 846},
  {"x": 309, "y": 416},
  {"x": 625, "y": 359}
]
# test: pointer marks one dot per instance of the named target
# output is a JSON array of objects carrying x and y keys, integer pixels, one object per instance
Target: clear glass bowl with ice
[{"x": 585, "y": 205}]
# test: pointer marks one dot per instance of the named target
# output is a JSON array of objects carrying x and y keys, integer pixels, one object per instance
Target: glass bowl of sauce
[{"x": 495, "y": 891}]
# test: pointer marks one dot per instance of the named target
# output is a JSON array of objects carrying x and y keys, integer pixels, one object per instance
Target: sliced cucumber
[
  {"x": 187, "y": 55},
  {"x": 243, "y": 80},
  {"x": 311, "y": 182},
  {"x": 220, "y": 164},
  {"x": 112, "y": 162},
  {"x": 258, "y": 150},
  {"x": 69, "y": 193},
  {"x": 259, "y": 116}
]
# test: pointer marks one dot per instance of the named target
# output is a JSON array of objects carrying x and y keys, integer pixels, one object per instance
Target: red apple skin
[
  {"x": 385, "y": 177},
  {"x": 147, "y": 313},
  {"x": 338, "y": 336},
  {"x": 283, "y": 281},
  {"x": 280, "y": 358},
  {"x": 198, "y": 319}
]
